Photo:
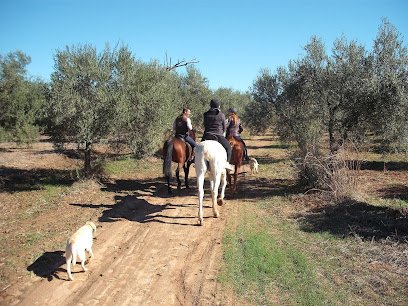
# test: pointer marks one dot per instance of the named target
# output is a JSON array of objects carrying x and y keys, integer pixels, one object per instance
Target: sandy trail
[{"x": 149, "y": 251}]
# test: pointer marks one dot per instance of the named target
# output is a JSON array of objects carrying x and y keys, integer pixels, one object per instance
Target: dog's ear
[{"x": 92, "y": 225}]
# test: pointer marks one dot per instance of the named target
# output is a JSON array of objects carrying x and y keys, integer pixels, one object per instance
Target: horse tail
[
  {"x": 200, "y": 162},
  {"x": 168, "y": 157}
]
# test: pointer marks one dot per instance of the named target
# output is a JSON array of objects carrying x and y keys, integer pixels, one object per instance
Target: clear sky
[{"x": 232, "y": 40}]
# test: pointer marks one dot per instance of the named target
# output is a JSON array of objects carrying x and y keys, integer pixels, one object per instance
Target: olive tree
[
  {"x": 390, "y": 109},
  {"x": 21, "y": 99},
  {"x": 81, "y": 105},
  {"x": 147, "y": 101},
  {"x": 259, "y": 112},
  {"x": 196, "y": 94}
]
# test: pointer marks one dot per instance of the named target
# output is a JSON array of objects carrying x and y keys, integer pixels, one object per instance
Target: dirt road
[{"x": 148, "y": 251}]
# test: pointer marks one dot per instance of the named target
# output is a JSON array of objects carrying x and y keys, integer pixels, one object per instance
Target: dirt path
[{"x": 149, "y": 251}]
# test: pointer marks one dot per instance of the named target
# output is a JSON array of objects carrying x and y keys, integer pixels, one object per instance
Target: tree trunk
[{"x": 87, "y": 159}]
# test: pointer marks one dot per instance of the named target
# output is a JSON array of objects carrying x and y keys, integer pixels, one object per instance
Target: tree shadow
[
  {"x": 379, "y": 165},
  {"x": 358, "y": 219},
  {"x": 276, "y": 146},
  {"x": 130, "y": 204},
  {"x": 397, "y": 191},
  {"x": 48, "y": 264},
  {"x": 14, "y": 180},
  {"x": 269, "y": 160},
  {"x": 154, "y": 186},
  {"x": 259, "y": 188},
  {"x": 269, "y": 139}
]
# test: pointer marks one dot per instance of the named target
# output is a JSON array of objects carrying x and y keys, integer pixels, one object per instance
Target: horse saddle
[
  {"x": 209, "y": 136},
  {"x": 189, "y": 149}
]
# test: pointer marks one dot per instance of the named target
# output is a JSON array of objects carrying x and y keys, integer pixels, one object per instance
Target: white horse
[{"x": 210, "y": 156}]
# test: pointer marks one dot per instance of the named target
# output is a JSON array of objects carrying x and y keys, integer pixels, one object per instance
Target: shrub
[{"x": 334, "y": 174}]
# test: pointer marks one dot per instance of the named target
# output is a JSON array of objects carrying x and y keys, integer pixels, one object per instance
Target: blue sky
[{"x": 232, "y": 40}]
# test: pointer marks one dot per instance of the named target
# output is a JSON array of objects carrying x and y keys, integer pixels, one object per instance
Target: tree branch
[{"x": 179, "y": 63}]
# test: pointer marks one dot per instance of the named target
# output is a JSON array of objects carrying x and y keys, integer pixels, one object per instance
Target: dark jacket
[
  {"x": 214, "y": 122},
  {"x": 181, "y": 125}
]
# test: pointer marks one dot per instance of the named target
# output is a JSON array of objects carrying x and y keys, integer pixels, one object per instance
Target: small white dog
[
  {"x": 253, "y": 164},
  {"x": 79, "y": 242}
]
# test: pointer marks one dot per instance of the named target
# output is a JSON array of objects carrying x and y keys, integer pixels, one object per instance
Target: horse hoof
[
  {"x": 217, "y": 215},
  {"x": 220, "y": 202},
  {"x": 200, "y": 222}
]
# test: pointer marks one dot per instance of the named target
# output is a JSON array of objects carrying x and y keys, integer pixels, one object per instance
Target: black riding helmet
[{"x": 214, "y": 103}]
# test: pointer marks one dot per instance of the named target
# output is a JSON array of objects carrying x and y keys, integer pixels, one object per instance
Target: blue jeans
[{"x": 188, "y": 139}]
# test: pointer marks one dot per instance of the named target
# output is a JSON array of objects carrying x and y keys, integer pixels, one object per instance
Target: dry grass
[{"x": 356, "y": 250}]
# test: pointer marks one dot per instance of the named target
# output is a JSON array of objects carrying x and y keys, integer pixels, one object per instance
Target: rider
[
  {"x": 182, "y": 127},
  {"x": 215, "y": 127},
  {"x": 234, "y": 128}
]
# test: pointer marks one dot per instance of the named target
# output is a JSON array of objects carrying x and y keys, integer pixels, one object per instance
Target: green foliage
[
  {"x": 259, "y": 112},
  {"x": 81, "y": 106},
  {"x": 81, "y": 103},
  {"x": 345, "y": 96},
  {"x": 349, "y": 104},
  {"x": 147, "y": 102},
  {"x": 21, "y": 100},
  {"x": 195, "y": 94},
  {"x": 230, "y": 98},
  {"x": 390, "y": 58},
  {"x": 301, "y": 107}
]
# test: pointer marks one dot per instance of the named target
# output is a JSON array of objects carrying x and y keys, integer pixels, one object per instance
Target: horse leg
[
  {"x": 168, "y": 184},
  {"x": 223, "y": 185},
  {"x": 168, "y": 155},
  {"x": 215, "y": 184},
  {"x": 186, "y": 171},
  {"x": 235, "y": 178},
  {"x": 200, "y": 185},
  {"x": 178, "y": 176},
  {"x": 229, "y": 179}
]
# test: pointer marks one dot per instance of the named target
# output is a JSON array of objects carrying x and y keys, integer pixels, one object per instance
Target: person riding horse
[
  {"x": 215, "y": 128},
  {"x": 234, "y": 128},
  {"x": 182, "y": 127}
]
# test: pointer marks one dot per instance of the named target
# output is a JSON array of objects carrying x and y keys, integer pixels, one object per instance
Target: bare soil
[{"x": 148, "y": 247}]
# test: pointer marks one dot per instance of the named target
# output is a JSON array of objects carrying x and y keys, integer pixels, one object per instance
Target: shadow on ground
[
  {"x": 398, "y": 191},
  {"x": 14, "y": 180},
  {"x": 359, "y": 219},
  {"x": 130, "y": 204},
  {"x": 48, "y": 264},
  {"x": 379, "y": 166}
]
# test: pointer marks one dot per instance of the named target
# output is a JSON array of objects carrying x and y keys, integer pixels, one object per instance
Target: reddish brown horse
[
  {"x": 179, "y": 151},
  {"x": 236, "y": 160}
]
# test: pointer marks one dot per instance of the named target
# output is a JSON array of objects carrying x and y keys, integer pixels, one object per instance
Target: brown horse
[
  {"x": 237, "y": 155},
  {"x": 180, "y": 152}
]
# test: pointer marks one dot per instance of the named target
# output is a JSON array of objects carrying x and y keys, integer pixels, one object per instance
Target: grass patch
[
  {"x": 131, "y": 166},
  {"x": 260, "y": 267},
  {"x": 30, "y": 238},
  {"x": 44, "y": 199},
  {"x": 267, "y": 264}
]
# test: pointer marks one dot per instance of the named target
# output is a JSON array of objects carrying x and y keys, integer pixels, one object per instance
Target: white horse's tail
[{"x": 200, "y": 162}]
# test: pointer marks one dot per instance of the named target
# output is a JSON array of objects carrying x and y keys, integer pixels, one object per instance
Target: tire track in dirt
[{"x": 154, "y": 256}]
